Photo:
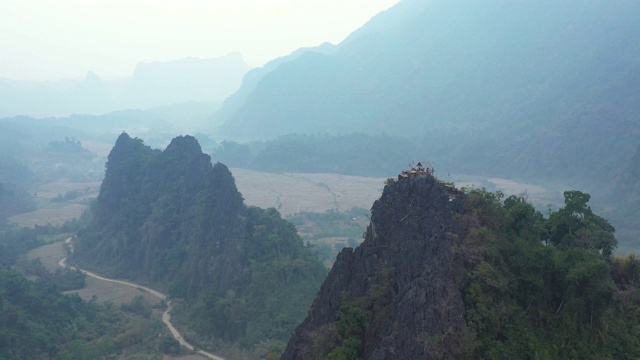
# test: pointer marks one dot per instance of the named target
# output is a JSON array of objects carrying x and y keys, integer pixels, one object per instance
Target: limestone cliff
[
  {"x": 402, "y": 279},
  {"x": 167, "y": 216},
  {"x": 450, "y": 275},
  {"x": 174, "y": 221}
]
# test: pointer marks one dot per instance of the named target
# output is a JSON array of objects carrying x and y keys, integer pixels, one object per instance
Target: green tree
[{"x": 575, "y": 225}]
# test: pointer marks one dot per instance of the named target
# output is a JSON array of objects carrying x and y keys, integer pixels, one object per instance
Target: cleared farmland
[
  {"x": 294, "y": 192},
  {"x": 53, "y": 216},
  {"x": 54, "y": 212}
]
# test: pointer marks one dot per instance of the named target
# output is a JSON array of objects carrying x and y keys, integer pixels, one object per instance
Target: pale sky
[{"x": 64, "y": 39}]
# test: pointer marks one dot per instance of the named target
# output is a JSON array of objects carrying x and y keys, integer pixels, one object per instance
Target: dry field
[
  {"x": 293, "y": 192},
  {"x": 57, "y": 213},
  {"x": 53, "y": 216},
  {"x": 50, "y": 190}
]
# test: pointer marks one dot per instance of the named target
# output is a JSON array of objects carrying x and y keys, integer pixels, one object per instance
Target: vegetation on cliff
[
  {"x": 486, "y": 278},
  {"x": 545, "y": 288}
]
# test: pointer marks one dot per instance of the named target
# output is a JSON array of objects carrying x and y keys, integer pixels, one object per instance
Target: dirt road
[{"x": 166, "y": 316}]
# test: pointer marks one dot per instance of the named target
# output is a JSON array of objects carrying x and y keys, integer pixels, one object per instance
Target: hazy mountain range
[
  {"x": 151, "y": 85},
  {"x": 452, "y": 65},
  {"x": 539, "y": 91},
  {"x": 534, "y": 84}
]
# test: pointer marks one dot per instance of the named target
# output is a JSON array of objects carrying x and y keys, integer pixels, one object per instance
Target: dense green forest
[
  {"x": 265, "y": 303},
  {"x": 545, "y": 288},
  {"x": 240, "y": 275},
  {"x": 37, "y": 321}
]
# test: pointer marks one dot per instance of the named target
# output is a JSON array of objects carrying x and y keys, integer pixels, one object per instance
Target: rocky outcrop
[
  {"x": 174, "y": 221},
  {"x": 403, "y": 277},
  {"x": 166, "y": 216}
]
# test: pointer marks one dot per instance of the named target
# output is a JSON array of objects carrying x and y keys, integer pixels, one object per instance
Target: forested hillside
[
  {"x": 37, "y": 322},
  {"x": 173, "y": 220},
  {"x": 445, "y": 274}
]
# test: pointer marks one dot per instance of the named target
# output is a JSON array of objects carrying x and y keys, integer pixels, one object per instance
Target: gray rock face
[{"x": 403, "y": 274}]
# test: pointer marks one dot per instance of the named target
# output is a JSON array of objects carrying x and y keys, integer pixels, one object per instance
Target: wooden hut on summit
[{"x": 419, "y": 169}]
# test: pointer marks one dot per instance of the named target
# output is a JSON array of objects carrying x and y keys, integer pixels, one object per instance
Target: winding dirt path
[{"x": 166, "y": 316}]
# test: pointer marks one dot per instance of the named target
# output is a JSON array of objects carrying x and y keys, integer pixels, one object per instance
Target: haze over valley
[{"x": 353, "y": 180}]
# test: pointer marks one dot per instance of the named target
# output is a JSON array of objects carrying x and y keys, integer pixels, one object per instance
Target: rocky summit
[{"x": 394, "y": 296}]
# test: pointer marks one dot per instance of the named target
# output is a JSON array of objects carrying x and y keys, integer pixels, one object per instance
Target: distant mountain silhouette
[
  {"x": 152, "y": 84},
  {"x": 450, "y": 65}
]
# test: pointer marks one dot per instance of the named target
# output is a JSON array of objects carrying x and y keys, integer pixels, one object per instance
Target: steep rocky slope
[
  {"x": 159, "y": 212},
  {"x": 403, "y": 276},
  {"x": 444, "y": 274}
]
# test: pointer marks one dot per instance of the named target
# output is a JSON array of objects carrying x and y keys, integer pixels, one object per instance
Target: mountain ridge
[{"x": 151, "y": 85}]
